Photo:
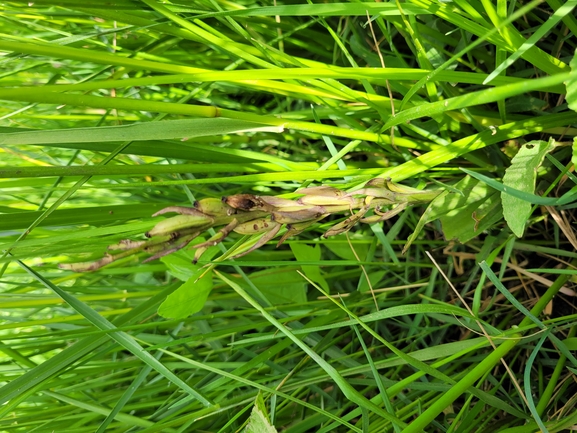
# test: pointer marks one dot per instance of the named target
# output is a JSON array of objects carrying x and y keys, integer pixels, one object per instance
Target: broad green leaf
[
  {"x": 188, "y": 298},
  {"x": 374, "y": 278},
  {"x": 571, "y": 85},
  {"x": 343, "y": 249},
  {"x": 304, "y": 253},
  {"x": 464, "y": 215},
  {"x": 261, "y": 405},
  {"x": 258, "y": 423},
  {"x": 180, "y": 265},
  {"x": 522, "y": 175},
  {"x": 477, "y": 216},
  {"x": 280, "y": 286},
  {"x": 571, "y": 343},
  {"x": 524, "y": 103}
]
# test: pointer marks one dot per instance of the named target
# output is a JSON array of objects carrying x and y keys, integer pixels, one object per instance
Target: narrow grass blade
[
  {"x": 120, "y": 337},
  {"x": 527, "y": 382}
]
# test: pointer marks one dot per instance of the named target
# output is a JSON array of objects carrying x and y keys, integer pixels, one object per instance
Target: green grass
[{"x": 112, "y": 111}]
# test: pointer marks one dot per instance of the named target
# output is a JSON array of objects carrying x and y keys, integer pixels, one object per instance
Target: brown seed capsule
[
  {"x": 246, "y": 202},
  {"x": 377, "y": 182}
]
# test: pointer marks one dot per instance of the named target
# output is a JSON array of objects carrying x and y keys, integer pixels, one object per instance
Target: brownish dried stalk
[{"x": 252, "y": 214}]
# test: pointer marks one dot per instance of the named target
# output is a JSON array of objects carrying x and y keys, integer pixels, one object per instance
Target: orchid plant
[{"x": 256, "y": 214}]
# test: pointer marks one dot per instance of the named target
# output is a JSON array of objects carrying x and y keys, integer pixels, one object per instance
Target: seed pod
[
  {"x": 198, "y": 254},
  {"x": 174, "y": 224},
  {"x": 411, "y": 195},
  {"x": 404, "y": 190},
  {"x": 214, "y": 207},
  {"x": 325, "y": 191},
  {"x": 246, "y": 202},
  {"x": 372, "y": 219},
  {"x": 182, "y": 210},
  {"x": 277, "y": 202},
  {"x": 259, "y": 225},
  {"x": 297, "y": 216},
  {"x": 324, "y": 201},
  {"x": 355, "y": 202},
  {"x": 323, "y": 195},
  {"x": 376, "y": 193},
  {"x": 391, "y": 186},
  {"x": 377, "y": 182},
  {"x": 214, "y": 240},
  {"x": 399, "y": 188},
  {"x": 263, "y": 240}
]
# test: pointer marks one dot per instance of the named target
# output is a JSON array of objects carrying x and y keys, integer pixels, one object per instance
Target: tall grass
[{"x": 113, "y": 110}]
